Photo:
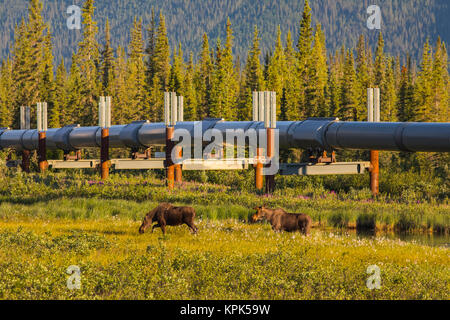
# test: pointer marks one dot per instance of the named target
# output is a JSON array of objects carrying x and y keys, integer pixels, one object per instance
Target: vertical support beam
[
  {"x": 259, "y": 170},
  {"x": 170, "y": 168},
  {"x": 104, "y": 122},
  {"x": 266, "y": 109},
  {"x": 39, "y": 116},
  {"x": 44, "y": 117},
  {"x": 101, "y": 112},
  {"x": 178, "y": 169},
  {"x": 376, "y": 107},
  {"x": 255, "y": 106},
  {"x": 373, "y": 106},
  {"x": 42, "y": 152},
  {"x": 24, "y": 125},
  {"x": 370, "y": 104},
  {"x": 28, "y": 118},
  {"x": 180, "y": 108},
  {"x": 270, "y": 180},
  {"x": 42, "y": 128},
  {"x": 104, "y": 154},
  {"x": 179, "y": 151},
  {"x": 374, "y": 172},
  {"x": 167, "y": 108},
  {"x": 273, "y": 110},
  {"x": 260, "y": 106},
  {"x": 270, "y": 124},
  {"x": 108, "y": 111},
  {"x": 22, "y": 117},
  {"x": 174, "y": 109}
]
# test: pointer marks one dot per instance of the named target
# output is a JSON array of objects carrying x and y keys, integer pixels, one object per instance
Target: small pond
[{"x": 441, "y": 240}]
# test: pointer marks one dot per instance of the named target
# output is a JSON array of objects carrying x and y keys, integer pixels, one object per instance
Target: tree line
[{"x": 308, "y": 80}]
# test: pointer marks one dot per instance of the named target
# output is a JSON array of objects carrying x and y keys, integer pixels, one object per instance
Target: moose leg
[
  {"x": 192, "y": 226},
  {"x": 156, "y": 226},
  {"x": 163, "y": 228}
]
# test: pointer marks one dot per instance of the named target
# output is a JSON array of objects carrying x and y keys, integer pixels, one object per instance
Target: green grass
[
  {"x": 226, "y": 260},
  {"x": 74, "y": 194},
  {"x": 51, "y": 221}
]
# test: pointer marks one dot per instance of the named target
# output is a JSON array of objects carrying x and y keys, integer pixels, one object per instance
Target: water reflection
[{"x": 441, "y": 240}]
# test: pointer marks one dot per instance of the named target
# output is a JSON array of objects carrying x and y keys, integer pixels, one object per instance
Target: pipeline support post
[
  {"x": 264, "y": 110},
  {"x": 270, "y": 179},
  {"x": 25, "y": 125},
  {"x": 179, "y": 151},
  {"x": 42, "y": 129},
  {"x": 257, "y": 106},
  {"x": 170, "y": 120},
  {"x": 373, "y": 106},
  {"x": 104, "y": 119},
  {"x": 104, "y": 154},
  {"x": 270, "y": 124},
  {"x": 259, "y": 170},
  {"x": 170, "y": 167}
]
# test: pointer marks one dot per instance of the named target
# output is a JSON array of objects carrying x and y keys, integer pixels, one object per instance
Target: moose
[
  {"x": 167, "y": 214},
  {"x": 282, "y": 220}
]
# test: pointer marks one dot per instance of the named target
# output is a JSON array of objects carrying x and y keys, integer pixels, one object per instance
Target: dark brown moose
[
  {"x": 284, "y": 221},
  {"x": 168, "y": 215}
]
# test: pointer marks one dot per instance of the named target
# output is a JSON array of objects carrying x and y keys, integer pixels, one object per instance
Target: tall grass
[
  {"x": 226, "y": 260},
  {"x": 78, "y": 195}
]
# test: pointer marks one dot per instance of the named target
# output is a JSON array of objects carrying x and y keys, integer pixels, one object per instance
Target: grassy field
[
  {"x": 226, "y": 260},
  {"x": 72, "y": 194},
  {"x": 52, "y": 221}
]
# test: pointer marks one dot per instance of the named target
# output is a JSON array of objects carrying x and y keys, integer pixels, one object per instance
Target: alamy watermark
[
  {"x": 239, "y": 144},
  {"x": 74, "y": 20},
  {"x": 374, "y": 20},
  {"x": 74, "y": 281},
  {"x": 374, "y": 281}
]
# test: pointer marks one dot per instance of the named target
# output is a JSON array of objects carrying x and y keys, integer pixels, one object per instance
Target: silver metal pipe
[{"x": 321, "y": 133}]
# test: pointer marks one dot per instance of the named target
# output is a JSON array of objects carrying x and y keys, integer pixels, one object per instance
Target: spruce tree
[
  {"x": 189, "y": 92},
  {"x": 379, "y": 62},
  {"x": 224, "y": 85},
  {"x": 46, "y": 83},
  {"x": 161, "y": 58},
  {"x": 73, "y": 112},
  {"x": 88, "y": 59},
  {"x": 122, "y": 110},
  {"x": 306, "y": 37},
  {"x": 59, "y": 98},
  {"x": 405, "y": 102},
  {"x": 348, "y": 108},
  {"x": 150, "y": 51},
  {"x": 440, "y": 80},
  {"x": 203, "y": 79},
  {"x": 388, "y": 110},
  {"x": 277, "y": 73},
  {"x": 253, "y": 76},
  {"x": 107, "y": 62},
  {"x": 315, "y": 102},
  {"x": 137, "y": 95},
  {"x": 291, "y": 96},
  {"x": 305, "y": 62},
  {"x": 6, "y": 99},
  {"x": 176, "y": 77},
  {"x": 362, "y": 76},
  {"x": 424, "y": 98},
  {"x": 32, "y": 60}
]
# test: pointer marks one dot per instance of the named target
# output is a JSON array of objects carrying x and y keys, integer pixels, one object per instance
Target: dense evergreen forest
[
  {"x": 309, "y": 79},
  {"x": 405, "y": 24}
]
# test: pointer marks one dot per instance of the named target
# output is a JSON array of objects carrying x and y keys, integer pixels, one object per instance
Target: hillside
[{"x": 406, "y": 24}]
